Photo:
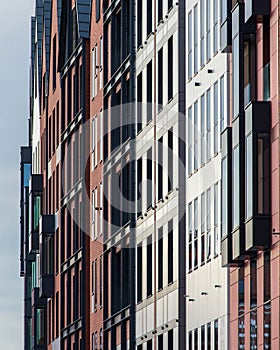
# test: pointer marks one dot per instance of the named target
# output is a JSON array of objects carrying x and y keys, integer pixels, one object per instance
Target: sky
[{"x": 14, "y": 74}]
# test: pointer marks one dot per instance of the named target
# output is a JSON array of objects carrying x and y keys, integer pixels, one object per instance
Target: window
[
  {"x": 190, "y": 141},
  {"x": 241, "y": 291},
  {"x": 139, "y": 273},
  {"x": 190, "y": 235},
  {"x": 149, "y": 17},
  {"x": 170, "y": 252},
  {"x": 149, "y": 91},
  {"x": 235, "y": 68},
  {"x": 170, "y": 339},
  {"x": 41, "y": 327},
  {"x": 139, "y": 99},
  {"x": 208, "y": 124},
  {"x": 202, "y": 32},
  {"x": 267, "y": 326},
  {"x": 94, "y": 341},
  {"x": 94, "y": 142},
  {"x": 97, "y": 10},
  {"x": 190, "y": 341},
  {"x": 215, "y": 25},
  {"x": 266, "y": 274},
  {"x": 208, "y": 39},
  {"x": 149, "y": 266},
  {"x": 222, "y": 103},
  {"x": 160, "y": 342},
  {"x": 94, "y": 285},
  {"x": 263, "y": 140},
  {"x": 93, "y": 67},
  {"x": 195, "y": 158},
  {"x": 249, "y": 176},
  {"x": 160, "y": 258},
  {"x": 101, "y": 339},
  {"x": 54, "y": 63},
  {"x": 170, "y": 68},
  {"x": 196, "y": 339},
  {"x": 247, "y": 85},
  {"x": 139, "y": 22},
  {"x": 149, "y": 178},
  {"x": 101, "y": 63},
  {"x": 101, "y": 136},
  {"x": 236, "y": 189},
  {"x": 202, "y": 238},
  {"x": 202, "y": 127},
  {"x": 170, "y": 4},
  {"x": 202, "y": 338},
  {"x": 160, "y": 8},
  {"x": 216, "y": 220},
  {"x": 190, "y": 46},
  {"x": 241, "y": 333},
  {"x": 170, "y": 159},
  {"x": 101, "y": 281},
  {"x": 160, "y": 168},
  {"x": 253, "y": 284},
  {"x": 195, "y": 233},
  {"x": 150, "y": 344},
  {"x": 93, "y": 214},
  {"x": 195, "y": 23},
  {"x": 216, "y": 334},
  {"x": 224, "y": 206},
  {"x": 160, "y": 78},
  {"x": 209, "y": 336},
  {"x": 266, "y": 59},
  {"x": 100, "y": 209},
  {"x": 253, "y": 330},
  {"x": 208, "y": 199},
  {"x": 216, "y": 119}
]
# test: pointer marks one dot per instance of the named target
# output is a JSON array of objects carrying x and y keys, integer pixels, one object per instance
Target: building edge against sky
[{"x": 193, "y": 264}]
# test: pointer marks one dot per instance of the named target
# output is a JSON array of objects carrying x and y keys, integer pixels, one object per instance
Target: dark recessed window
[
  {"x": 170, "y": 68},
  {"x": 170, "y": 252},
  {"x": 160, "y": 258},
  {"x": 149, "y": 266}
]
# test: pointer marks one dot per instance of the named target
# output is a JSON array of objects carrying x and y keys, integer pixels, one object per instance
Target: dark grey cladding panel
[
  {"x": 39, "y": 33},
  {"x": 83, "y": 11},
  {"x": 33, "y": 28},
  {"x": 59, "y": 5},
  {"x": 47, "y": 33}
]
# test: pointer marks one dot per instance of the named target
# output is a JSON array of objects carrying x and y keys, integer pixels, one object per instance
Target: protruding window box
[
  {"x": 36, "y": 301},
  {"x": 226, "y": 26},
  {"x": 257, "y": 150},
  {"x": 256, "y": 9},
  {"x": 35, "y": 210},
  {"x": 46, "y": 279}
]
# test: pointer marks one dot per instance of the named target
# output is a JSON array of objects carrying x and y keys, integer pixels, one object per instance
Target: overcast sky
[{"x": 14, "y": 65}]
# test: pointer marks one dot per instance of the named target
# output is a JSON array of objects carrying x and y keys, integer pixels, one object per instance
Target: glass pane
[
  {"x": 263, "y": 173},
  {"x": 224, "y": 198},
  {"x": 236, "y": 188},
  {"x": 249, "y": 176}
]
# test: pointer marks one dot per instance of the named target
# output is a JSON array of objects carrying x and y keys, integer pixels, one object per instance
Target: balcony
[
  {"x": 46, "y": 236},
  {"x": 226, "y": 26},
  {"x": 35, "y": 210},
  {"x": 257, "y": 150},
  {"x": 256, "y": 9}
]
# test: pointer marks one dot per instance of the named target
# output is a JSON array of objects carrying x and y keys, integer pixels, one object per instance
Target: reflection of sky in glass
[{"x": 26, "y": 174}]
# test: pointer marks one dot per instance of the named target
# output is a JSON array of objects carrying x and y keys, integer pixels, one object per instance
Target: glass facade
[{"x": 236, "y": 188}]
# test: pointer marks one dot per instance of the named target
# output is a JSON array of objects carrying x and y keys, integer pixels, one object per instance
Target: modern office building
[
  {"x": 250, "y": 168},
  {"x": 207, "y": 112},
  {"x": 150, "y": 181}
]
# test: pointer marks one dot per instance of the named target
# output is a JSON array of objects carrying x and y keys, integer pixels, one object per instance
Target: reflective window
[
  {"x": 195, "y": 22},
  {"x": 236, "y": 83},
  {"x": 236, "y": 188},
  {"x": 190, "y": 45},
  {"x": 216, "y": 118},
  {"x": 249, "y": 176},
  {"x": 202, "y": 128},
  {"x": 195, "y": 135},
  {"x": 202, "y": 31},
  {"x": 224, "y": 206},
  {"x": 263, "y": 173}
]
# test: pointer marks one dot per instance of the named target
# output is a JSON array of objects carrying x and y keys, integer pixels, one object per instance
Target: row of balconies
[
  {"x": 246, "y": 220},
  {"x": 37, "y": 239},
  {"x": 254, "y": 11}
]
